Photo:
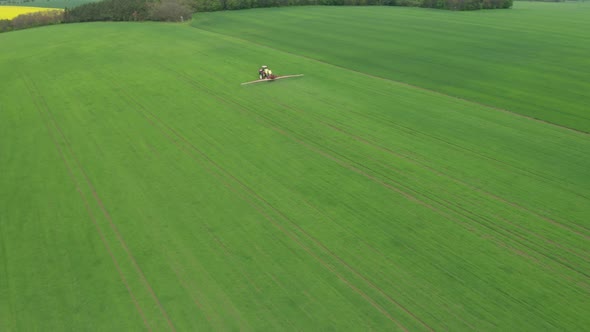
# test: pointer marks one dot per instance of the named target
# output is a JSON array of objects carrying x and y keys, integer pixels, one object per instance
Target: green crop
[
  {"x": 142, "y": 187},
  {"x": 531, "y": 60}
]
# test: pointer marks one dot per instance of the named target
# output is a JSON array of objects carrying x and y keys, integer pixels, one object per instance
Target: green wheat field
[{"x": 430, "y": 171}]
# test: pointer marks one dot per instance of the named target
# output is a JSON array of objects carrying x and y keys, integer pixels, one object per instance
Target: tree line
[
  {"x": 130, "y": 10},
  {"x": 216, "y": 5},
  {"x": 176, "y": 10},
  {"x": 179, "y": 10}
]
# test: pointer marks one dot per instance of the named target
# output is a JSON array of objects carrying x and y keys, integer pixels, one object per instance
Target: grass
[
  {"x": 531, "y": 59},
  {"x": 142, "y": 186},
  {"x": 10, "y": 12}
]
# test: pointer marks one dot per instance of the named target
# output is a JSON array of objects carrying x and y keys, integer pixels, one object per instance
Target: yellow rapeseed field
[{"x": 10, "y": 12}]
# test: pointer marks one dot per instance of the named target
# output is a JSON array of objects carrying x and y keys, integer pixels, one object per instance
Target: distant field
[
  {"x": 143, "y": 188},
  {"x": 532, "y": 59},
  {"x": 10, "y": 12},
  {"x": 47, "y": 3}
]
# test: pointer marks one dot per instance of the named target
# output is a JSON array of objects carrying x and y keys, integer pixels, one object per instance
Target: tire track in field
[
  {"x": 229, "y": 305},
  {"x": 438, "y": 93},
  {"x": 438, "y": 173},
  {"x": 532, "y": 173},
  {"x": 285, "y": 232},
  {"x": 194, "y": 297},
  {"x": 376, "y": 251},
  {"x": 470, "y": 216},
  {"x": 469, "y": 186},
  {"x": 515, "y": 238},
  {"x": 150, "y": 119},
  {"x": 102, "y": 207},
  {"x": 425, "y": 166},
  {"x": 35, "y": 97},
  {"x": 373, "y": 249},
  {"x": 389, "y": 260},
  {"x": 260, "y": 45},
  {"x": 451, "y": 217},
  {"x": 284, "y": 288},
  {"x": 546, "y": 240},
  {"x": 540, "y": 175},
  {"x": 405, "y": 194},
  {"x": 368, "y": 245},
  {"x": 525, "y": 230},
  {"x": 508, "y": 295},
  {"x": 189, "y": 80},
  {"x": 582, "y": 255},
  {"x": 245, "y": 275},
  {"x": 315, "y": 240},
  {"x": 389, "y": 187},
  {"x": 324, "y": 263},
  {"x": 414, "y": 194},
  {"x": 252, "y": 202},
  {"x": 275, "y": 126},
  {"x": 223, "y": 247},
  {"x": 181, "y": 148},
  {"x": 277, "y": 282}
]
